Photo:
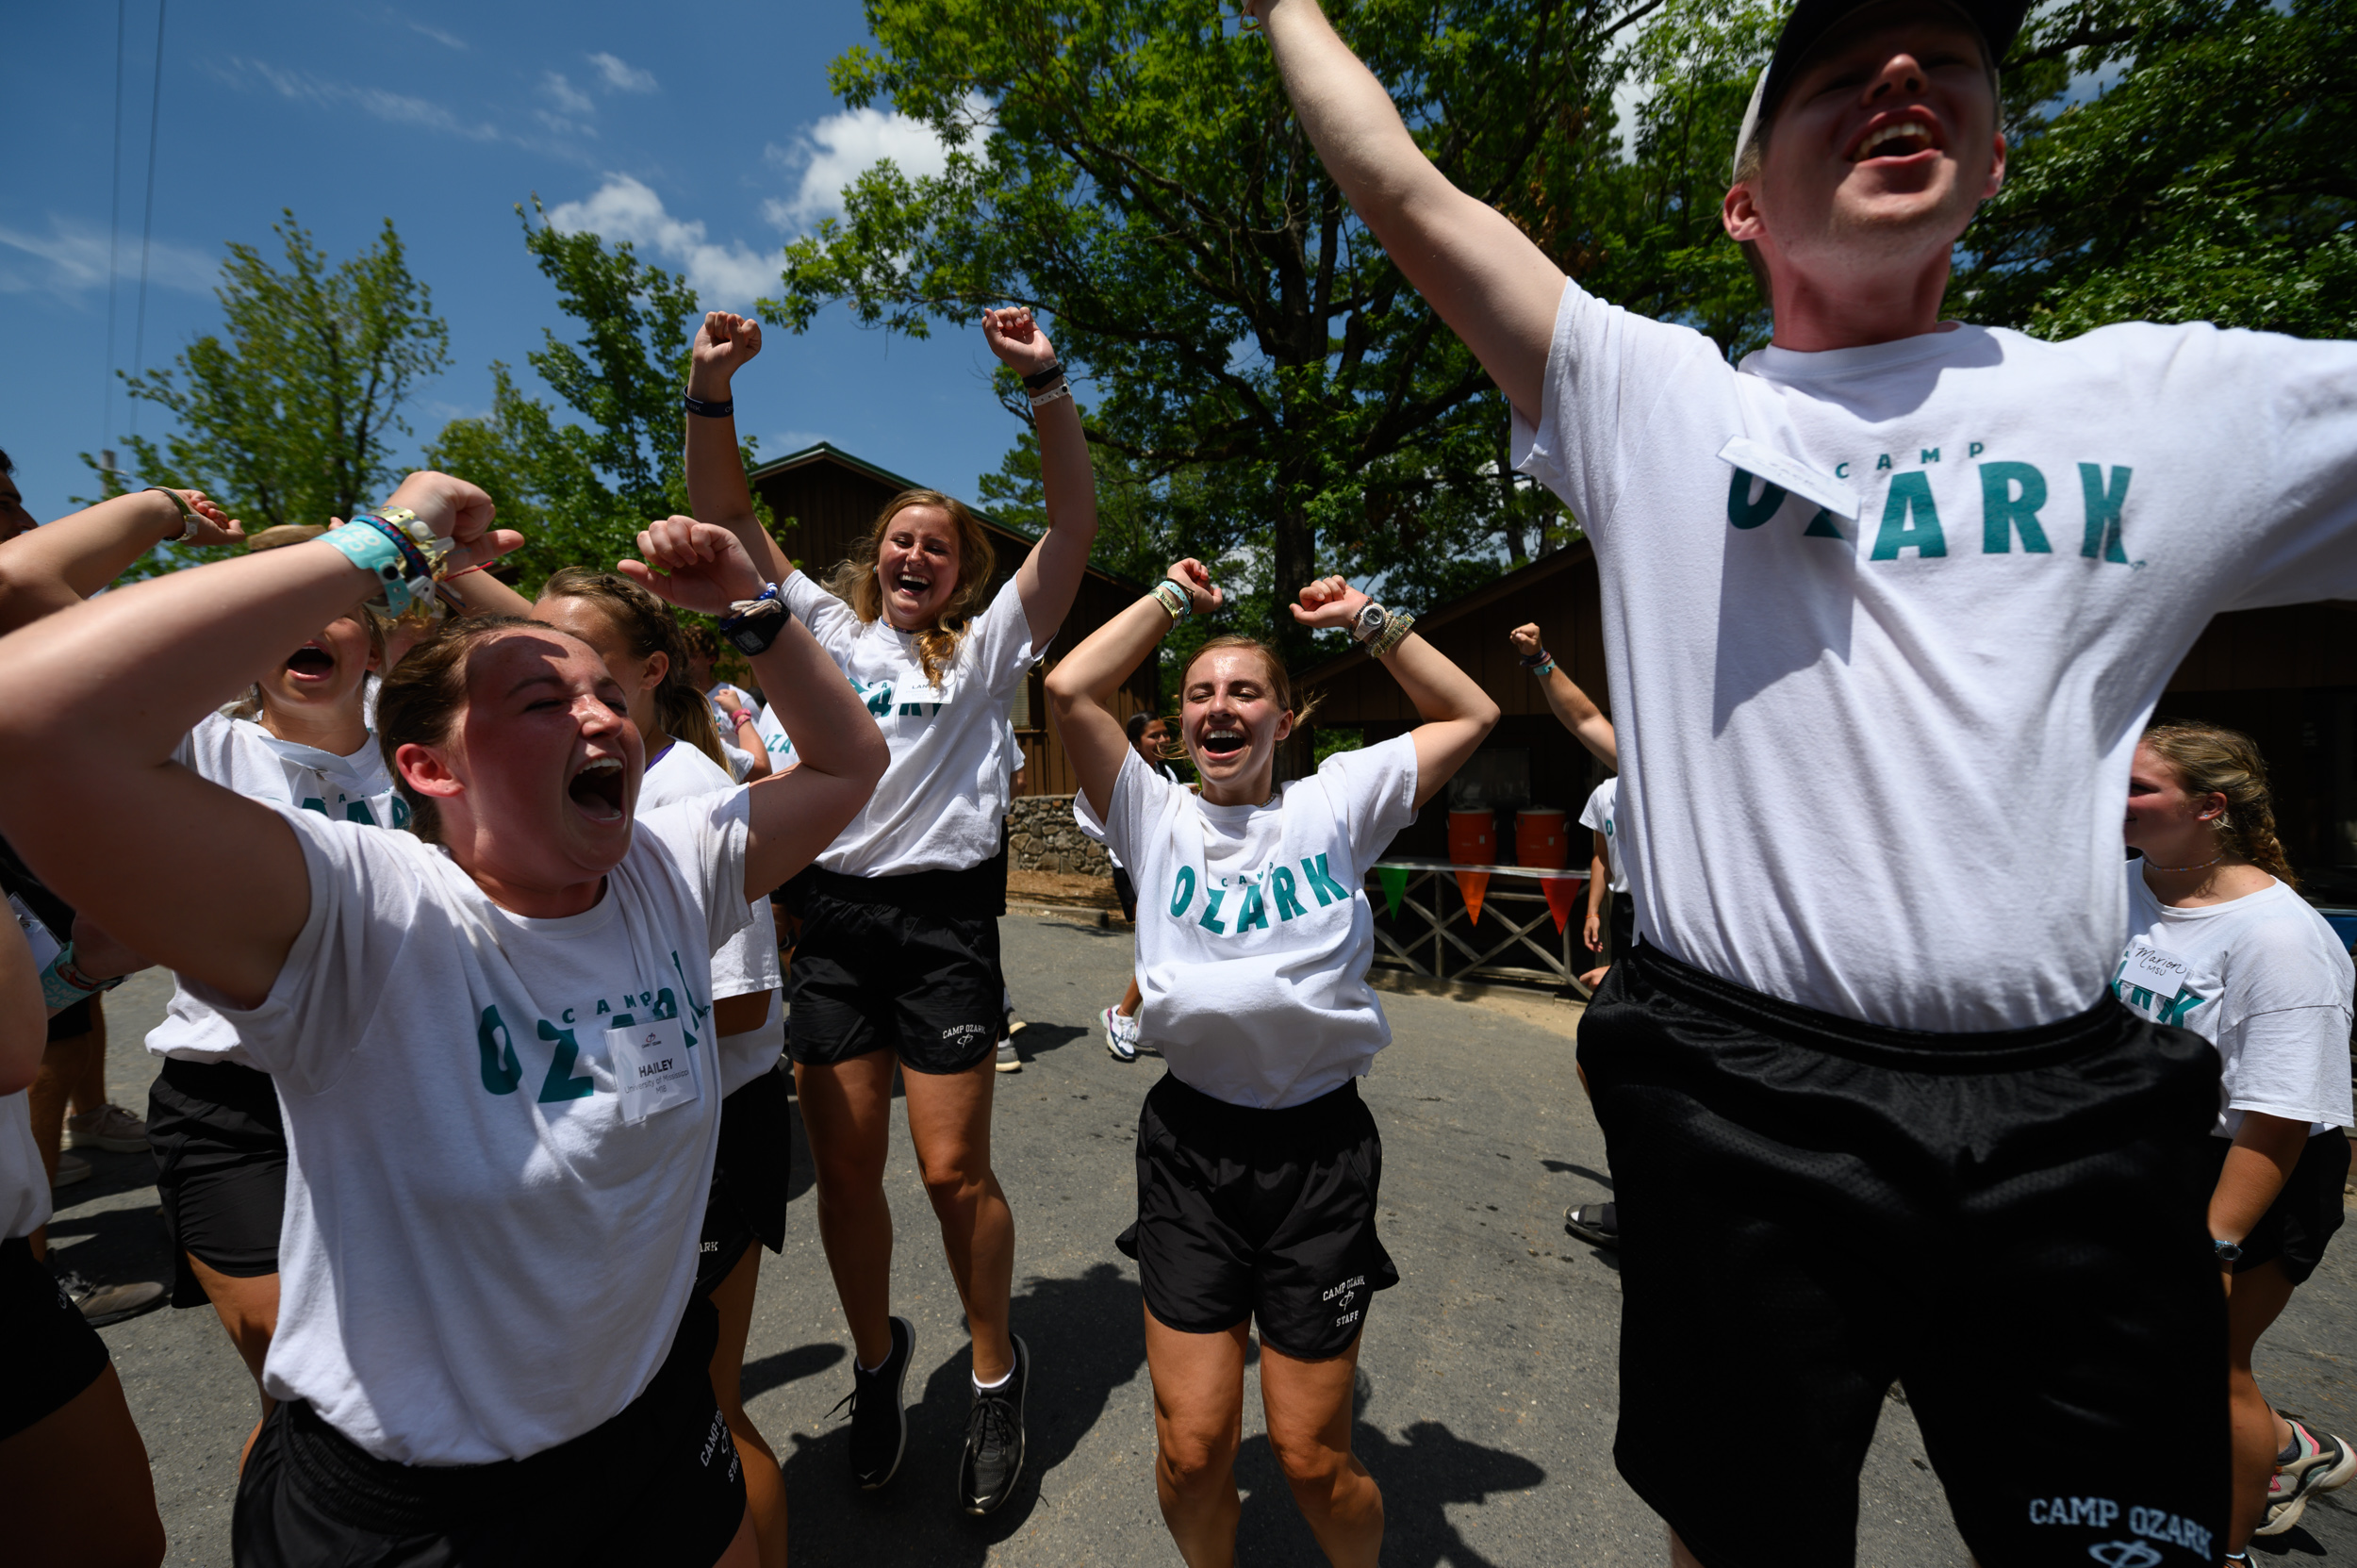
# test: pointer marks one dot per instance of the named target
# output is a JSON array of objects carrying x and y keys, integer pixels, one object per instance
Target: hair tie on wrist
[
  {"x": 1042, "y": 376},
  {"x": 710, "y": 410}
]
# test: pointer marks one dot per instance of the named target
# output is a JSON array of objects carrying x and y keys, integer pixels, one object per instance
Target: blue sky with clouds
[{"x": 705, "y": 135}]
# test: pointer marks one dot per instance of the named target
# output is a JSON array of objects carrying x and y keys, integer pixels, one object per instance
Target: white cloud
[
  {"x": 837, "y": 150},
  {"x": 72, "y": 257},
  {"x": 622, "y": 77},
  {"x": 448, "y": 41},
  {"x": 397, "y": 108},
  {"x": 623, "y": 209},
  {"x": 786, "y": 442},
  {"x": 568, "y": 98}
]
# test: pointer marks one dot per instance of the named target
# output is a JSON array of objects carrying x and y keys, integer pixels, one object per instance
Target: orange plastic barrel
[
  {"x": 1542, "y": 838},
  {"x": 1473, "y": 838}
]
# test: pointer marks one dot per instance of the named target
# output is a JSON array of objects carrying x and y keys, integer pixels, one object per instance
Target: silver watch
[{"x": 1369, "y": 622}]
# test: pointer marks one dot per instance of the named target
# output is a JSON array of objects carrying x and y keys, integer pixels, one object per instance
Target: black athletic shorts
[
  {"x": 1261, "y": 1214},
  {"x": 659, "y": 1484},
  {"x": 1620, "y": 926},
  {"x": 908, "y": 965},
  {"x": 53, "y": 1354},
  {"x": 2013, "y": 1223},
  {"x": 221, "y": 1170},
  {"x": 750, "y": 1176},
  {"x": 1127, "y": 891},
  {"x": 2305, "y": 1214}
]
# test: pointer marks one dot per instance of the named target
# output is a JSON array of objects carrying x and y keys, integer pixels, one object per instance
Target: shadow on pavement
[
  {"x": 1421, "y": 1472},
  {"x": 789, "y": 1366},
  {"x": 1038, "y": 1040},
  {"x": 1086, "y": 1340},
  {"x": 1564, "y": 1167}
]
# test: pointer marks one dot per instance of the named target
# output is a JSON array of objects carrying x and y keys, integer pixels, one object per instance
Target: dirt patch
[{"x": 1061, "y": 888}]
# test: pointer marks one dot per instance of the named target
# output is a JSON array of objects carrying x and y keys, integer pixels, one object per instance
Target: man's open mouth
[
  {"x": 1903, "y": 138},
  {"x": 596, "y": 789}
]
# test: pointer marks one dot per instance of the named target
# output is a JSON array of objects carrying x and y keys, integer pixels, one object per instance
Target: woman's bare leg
[
  {"x": 1308, "y": 1409},
  {"x": 1198, "y": 1421},
  {"x": 75, "y": 1486},
  {"x": 2254, "y": 1301},
  {"x": 764, "y": 1483},
  {"x": 949, "y": 1123},
  {"x": 847, "y": 1110},
  {"x": 248, "y": 1308}
]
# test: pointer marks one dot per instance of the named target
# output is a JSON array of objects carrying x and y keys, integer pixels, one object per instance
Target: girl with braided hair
[{"x": 2219, "y": 943}]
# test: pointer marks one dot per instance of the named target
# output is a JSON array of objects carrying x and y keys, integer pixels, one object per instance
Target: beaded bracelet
[{"x": 1532, "y": 661}]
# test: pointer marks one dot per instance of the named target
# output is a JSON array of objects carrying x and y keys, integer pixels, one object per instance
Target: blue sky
[{"x": 704, "y": 134}]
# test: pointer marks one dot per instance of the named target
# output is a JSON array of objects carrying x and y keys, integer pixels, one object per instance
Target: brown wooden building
[
  {"x": 825, "y": 501},
  {"x": 2286, "y": 677}
]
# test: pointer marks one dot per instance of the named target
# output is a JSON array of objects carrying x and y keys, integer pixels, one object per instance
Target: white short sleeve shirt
[{"x": 1598, "y": 814}]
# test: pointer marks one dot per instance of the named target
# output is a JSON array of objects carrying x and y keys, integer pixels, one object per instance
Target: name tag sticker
[
  {"x": 43, "y": 942},
  {"x": 653, "y": 1066},
  {"x": 1791, "y": 474},
  {"x": 2154, "y": 970}
]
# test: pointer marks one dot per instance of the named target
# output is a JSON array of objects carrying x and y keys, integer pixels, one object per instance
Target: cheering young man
[{"x": 1886, "y": 607}]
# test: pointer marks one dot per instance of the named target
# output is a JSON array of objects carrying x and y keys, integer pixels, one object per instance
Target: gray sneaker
[
  {"x": 104, "y": 1304},
  {"x": 71, "y": 1168},
  {"x": 1008, "y": 1061},
  {"x": 111, "y": 1128}
]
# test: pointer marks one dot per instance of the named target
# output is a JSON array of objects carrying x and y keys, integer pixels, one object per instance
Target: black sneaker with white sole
[
  {"x": 879, "y": 1424},
  {"x": 993, "y": 1462},
  {"x": 1597, "y": 1223}
]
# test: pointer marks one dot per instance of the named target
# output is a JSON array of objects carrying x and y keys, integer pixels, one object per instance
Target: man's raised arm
[{"x": 1485, "y": 277}]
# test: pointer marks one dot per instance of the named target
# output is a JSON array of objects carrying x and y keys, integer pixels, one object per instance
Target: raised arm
[
  {"x": 1496, "y": 288},
  {"x": 180, "y": 870},
  {"x": 700, "y": 566},
  {"x": 23, "y": 1017},
  {"x": 1081, "y": 688},
  {"x": 717, "y": 490},
  {"x": 62, "y": 563},
  {"x": 1457, "y": 712},
  {"x": 1572, "y": 705},
  {"x": 1050, "y": 575}
]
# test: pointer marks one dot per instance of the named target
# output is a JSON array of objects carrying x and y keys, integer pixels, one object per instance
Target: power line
[
  {"x": 114, "y": 243},
  {"x": 147, "y": 227}
]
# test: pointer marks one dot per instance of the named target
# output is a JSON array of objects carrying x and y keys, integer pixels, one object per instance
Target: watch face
[{"x": 1371, "y": 620}]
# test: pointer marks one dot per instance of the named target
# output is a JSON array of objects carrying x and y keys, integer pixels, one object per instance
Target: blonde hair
[
  {"x": 1280, "y": 684},
  {"x": 854, "y": 581},
  {"x": 648, "y": 625},
  {"x": 2209, "y": 759}
]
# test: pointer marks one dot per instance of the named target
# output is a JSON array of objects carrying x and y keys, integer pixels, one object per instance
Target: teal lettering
[
  {"x": 692, "y": 1005},
  {"x": 2104, "y": 505},
  {"x": 2005, "y": 507},
  {"x": 1978, "y": 447},
  {"x": 1742, "y": 511},
  {"x": 1182, "y": 891},
  {"x": 1929, "y": 454},
  {"x": 603, "y": 1009},
  {"x": 1210, "y": 910},
  {"x": 357, "y": 811},
  {"x": 1254, "y": 910},
  {"x": 1910, "y": 521},
  {"x": 502, "y": 1072},
  {"x": 1280, "y": 882},
  {"x": 1822, "y": 527},
  {"x": 315, "y": 804},
  {"x": 881, "y": 703},
  {"x": 401, "y": 813},
  {"x": 667, "y": 1006},
  {"x": 2174, "y": 1011},
  {"x": 1841, "y": 471},
  {"x": 561, "y": 1085},
  {"x": 1882, "y": 462},
  {"x": 1323, "y": 884}
]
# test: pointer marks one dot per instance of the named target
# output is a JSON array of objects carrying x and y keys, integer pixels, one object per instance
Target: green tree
[
  {"x": 1132, "y": 167},
  {"x": 2212, "y": 177},
  {"x": 580, "y": 492},
  {"x": 289, "y": 415}
]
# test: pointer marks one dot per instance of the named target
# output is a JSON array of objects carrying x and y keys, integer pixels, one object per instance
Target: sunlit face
[
  {"x": 1232, "y": 722},
  {"x": 1154, "y": 740},
  {"x": 326, "y": 675},
  {"x": 2166, "y": 824},
  {"x": 916, "y": 566},
  {"x": 14, "y": 519},
  {"x": 540, "y": 774},
  {"x": 1882, "y": 145},
  {"x": 638, "y": 675}
]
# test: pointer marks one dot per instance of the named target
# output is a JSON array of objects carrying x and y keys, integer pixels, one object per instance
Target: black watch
[
  {"x": 2225, "y": 1252},
  {"x": 754, "y": 624}
]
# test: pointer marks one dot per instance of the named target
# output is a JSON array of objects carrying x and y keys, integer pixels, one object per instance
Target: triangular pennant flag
[
  {"x": 1395, "y": 881},
  {"x": 1561, "y": 893},
  {"x": 1474, "y": 885}
]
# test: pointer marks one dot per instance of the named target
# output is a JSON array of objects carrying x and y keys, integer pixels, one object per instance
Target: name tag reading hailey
[
  {"x": 652, "y": 1067},
  {"x": 2154, "y": 970}
]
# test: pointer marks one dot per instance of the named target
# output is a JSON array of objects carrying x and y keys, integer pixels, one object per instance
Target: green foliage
[
  {"x": 289, "y": 415},
  {"x": 2215, "y": 179},
  {"x": 1327, "y": 739},
  {"x": 581, "y": 493}
]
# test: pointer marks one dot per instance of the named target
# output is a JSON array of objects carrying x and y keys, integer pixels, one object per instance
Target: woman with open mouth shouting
[
  {"x": 492, "y": 1041},
  {"x": 899, "y": 958},
  {"x": 1257, "y": 1165}
]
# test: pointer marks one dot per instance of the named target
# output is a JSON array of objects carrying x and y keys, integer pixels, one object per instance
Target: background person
[
  {"x": 1258, "y": 1166},
  {"x": 735, "y": 710},
  {"x": 2219, "y": 943},
  {"x": 1148, "y": 735},
  {"x": 897, "y": 959},
  {"x": 1882, "y": 554}
]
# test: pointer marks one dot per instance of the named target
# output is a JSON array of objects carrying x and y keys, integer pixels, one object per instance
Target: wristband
[
  {"x": 753, "y": 624},
  {"x": 63, "y": 984},
  {"x": 1532, "y": 661},
  {"x": 1041, "y": 400},
  {"x": 1395, "y": 633},
  {"x": 1175, "y": 599},
  {"x": 1040, "y": 378},
  {"x": 1543, "y": 671},
  {"x": 739, "y": 718},
  {"x": 375, "y": 553},
  {"x": 190, "y": 523},
  {"x": 710, "y": 410}
]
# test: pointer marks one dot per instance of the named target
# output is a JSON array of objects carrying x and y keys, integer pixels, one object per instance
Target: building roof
[{"x": 1517, "y": 581}]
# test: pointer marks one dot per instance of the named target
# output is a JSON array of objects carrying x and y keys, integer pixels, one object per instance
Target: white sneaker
[
  {"x": 1121, "y": 1034},
  {"x": 1008, "y": 1061}
]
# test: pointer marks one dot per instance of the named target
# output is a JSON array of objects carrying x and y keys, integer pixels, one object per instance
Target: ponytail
[{"x": 2209, "y": 759}]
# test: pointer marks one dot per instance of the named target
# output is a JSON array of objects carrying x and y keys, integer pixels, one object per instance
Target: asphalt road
[{"x": 1487, "y": 1390}]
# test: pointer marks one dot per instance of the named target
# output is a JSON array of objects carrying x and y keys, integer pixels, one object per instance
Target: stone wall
[{"x": 1042, "y": 837}]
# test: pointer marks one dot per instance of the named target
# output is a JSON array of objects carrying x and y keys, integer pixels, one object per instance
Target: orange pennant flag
[
  {"x": 1561, "y": 894},
  {"x": 1474, "y": 885}
]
